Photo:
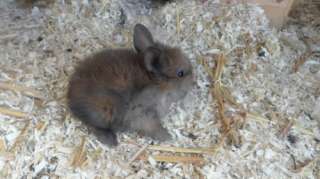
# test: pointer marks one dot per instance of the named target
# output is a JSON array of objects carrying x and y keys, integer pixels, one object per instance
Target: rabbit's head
[{"x": 167, "y": 65}]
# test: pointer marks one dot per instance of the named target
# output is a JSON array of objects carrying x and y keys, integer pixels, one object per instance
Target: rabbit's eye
[{"x": 180, "y": 73}]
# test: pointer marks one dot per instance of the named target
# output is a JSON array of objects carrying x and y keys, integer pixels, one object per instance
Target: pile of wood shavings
[{"x": 280, "y": 134}]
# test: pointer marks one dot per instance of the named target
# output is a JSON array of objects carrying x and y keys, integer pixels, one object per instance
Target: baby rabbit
[{"x": 125, "y": 90}]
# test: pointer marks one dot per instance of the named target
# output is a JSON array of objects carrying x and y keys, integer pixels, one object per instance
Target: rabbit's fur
[{"x": 126, "y": 90}]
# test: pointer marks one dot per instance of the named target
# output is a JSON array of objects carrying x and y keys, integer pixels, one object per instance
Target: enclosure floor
[{"x": 270, "y": 86}]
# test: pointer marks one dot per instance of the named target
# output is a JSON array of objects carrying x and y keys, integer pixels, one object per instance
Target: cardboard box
[{"x": 276, "y": 10}]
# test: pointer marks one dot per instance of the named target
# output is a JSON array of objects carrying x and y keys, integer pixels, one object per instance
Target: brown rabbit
[{"x": 122, "y": 89}]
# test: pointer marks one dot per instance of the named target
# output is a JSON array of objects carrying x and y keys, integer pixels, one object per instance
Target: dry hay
[{"x": 255, "y": 112}]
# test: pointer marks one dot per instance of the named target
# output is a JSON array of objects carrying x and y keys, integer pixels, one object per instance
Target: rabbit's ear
[
  {"x": 142, "y": 38},
  {"x": 151, "y": 60}
]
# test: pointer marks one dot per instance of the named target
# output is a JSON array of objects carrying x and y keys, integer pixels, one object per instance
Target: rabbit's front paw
[
  {"x": 161, "y": 134},
  {"x": 106, "y": 136}
]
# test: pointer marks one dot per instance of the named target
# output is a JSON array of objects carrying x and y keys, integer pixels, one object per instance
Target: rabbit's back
[
  {"x": 118, "y": 70},
  {"x": 103, "y": 84}
]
